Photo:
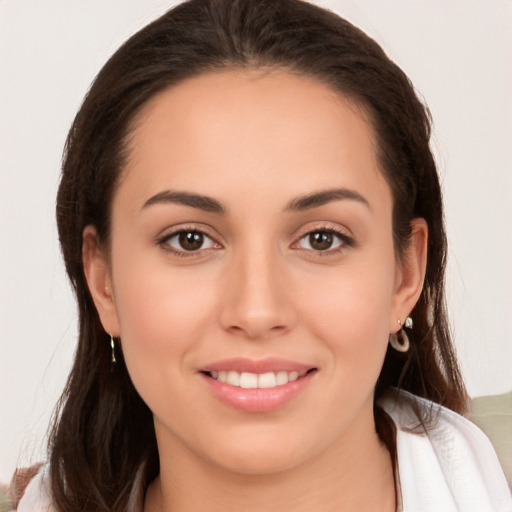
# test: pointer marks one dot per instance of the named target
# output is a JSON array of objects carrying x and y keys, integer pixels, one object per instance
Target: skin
[{"x": 257, "y": 288}]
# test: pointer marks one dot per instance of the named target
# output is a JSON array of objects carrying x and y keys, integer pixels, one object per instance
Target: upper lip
[{"x": 271, "y": 364}]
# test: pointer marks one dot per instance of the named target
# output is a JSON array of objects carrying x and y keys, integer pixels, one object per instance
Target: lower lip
[{"x": 258, "y": 399}]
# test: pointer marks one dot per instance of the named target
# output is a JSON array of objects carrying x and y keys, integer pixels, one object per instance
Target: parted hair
[{"x": 102, "y": 435}]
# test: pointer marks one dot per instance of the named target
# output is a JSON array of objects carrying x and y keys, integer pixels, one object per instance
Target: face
[{"x": 252, "y": 277}]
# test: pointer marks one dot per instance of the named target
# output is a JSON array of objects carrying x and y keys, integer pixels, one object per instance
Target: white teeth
[
  {"x": 281, "y": 378},
  {"x": 233, "y": 379},
  {"x": 293, "y": 376},
  {"x": 249, "y": 380},
  {"x": 267, "y": 380}
]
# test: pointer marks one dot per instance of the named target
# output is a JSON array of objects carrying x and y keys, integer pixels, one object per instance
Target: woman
[{"x": 251, "y": 218}]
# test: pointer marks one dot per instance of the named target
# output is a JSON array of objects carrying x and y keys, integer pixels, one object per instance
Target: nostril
[{"x": 257, "y": 328}]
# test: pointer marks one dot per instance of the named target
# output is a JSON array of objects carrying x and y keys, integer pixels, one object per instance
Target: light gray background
[{"x": 457, "y": 53}]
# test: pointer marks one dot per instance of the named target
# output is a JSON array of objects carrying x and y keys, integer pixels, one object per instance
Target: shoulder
[
  {"x": 445, "y": 463},
  {"x": 36, "y": 497}
]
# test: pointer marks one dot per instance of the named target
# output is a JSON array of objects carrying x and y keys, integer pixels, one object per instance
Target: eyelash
[
  {"x": 163, "y": 241},
  {"x": 345, "y": 241}
]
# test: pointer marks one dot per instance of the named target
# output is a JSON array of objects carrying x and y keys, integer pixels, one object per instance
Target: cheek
[
  {"x": 162, "y": 316},
  {"x": 350, "y": 308},
  {"x": 351, "y": 318},
  {"x": 155, "y": 297}
]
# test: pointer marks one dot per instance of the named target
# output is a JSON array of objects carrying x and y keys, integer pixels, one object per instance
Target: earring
[
  {"x": 399, "y": 340},
  {"x": 113, "y": 351}
]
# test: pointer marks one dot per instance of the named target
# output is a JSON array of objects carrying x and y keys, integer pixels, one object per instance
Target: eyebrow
[
  {"x": 211, "y": 205},
  {"x": 208, "y": 204},
  {"x": 317, "y": 199}
]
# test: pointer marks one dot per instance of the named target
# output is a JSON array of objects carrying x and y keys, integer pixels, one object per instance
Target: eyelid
[
  {"x": 347, "y": 239},
  {"x": 169, "y": 233}
]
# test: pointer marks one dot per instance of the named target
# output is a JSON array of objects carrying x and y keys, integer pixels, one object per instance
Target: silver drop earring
[
  {"x": 399, "y": 340},
  {"x": 113, "y": 349}
]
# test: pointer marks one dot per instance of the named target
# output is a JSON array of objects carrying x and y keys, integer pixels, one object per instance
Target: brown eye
[
  {"x": 321, "y": 241},
  {"x": 189, "y": 241}
]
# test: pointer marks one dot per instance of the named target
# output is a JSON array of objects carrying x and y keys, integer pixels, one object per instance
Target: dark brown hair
[{"x": 103, "y": 431}]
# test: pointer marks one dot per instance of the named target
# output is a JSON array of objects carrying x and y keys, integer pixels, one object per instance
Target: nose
[{"x": 256, "y": 296}]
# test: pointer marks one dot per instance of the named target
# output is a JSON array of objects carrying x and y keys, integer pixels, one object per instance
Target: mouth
[
  {"x": 257, "y": 386},
  {"x": 250, "y": 380}
]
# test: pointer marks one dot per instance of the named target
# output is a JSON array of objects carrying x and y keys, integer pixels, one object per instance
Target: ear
[
  {"x": 99, "y": 282},
  {"x": 410, "y": 274}
]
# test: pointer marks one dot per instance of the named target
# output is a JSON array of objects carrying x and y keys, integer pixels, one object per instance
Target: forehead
[{"x": 247, "y": 128}]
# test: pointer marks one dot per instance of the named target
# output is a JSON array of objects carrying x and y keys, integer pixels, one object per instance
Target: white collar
[{"x": 450, "y": 466}]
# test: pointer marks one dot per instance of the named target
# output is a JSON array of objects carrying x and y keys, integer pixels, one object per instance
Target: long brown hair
[{"x": 103, "y": 432}]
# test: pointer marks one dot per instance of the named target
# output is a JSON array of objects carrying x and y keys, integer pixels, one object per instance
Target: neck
[{"x": 353, "y": 474}]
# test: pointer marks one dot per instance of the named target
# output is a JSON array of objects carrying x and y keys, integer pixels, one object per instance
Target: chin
[
  {"x": 260, "y": 463},
  {"x": 260, "y": 455}
]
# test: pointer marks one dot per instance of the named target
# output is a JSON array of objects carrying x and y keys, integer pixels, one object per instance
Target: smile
[
  {"x": 257, "y": 385},
  {"x": 249, "y": 380}
]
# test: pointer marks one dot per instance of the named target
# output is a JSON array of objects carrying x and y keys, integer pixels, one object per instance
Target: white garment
[{"x": 450, "y": 468}]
